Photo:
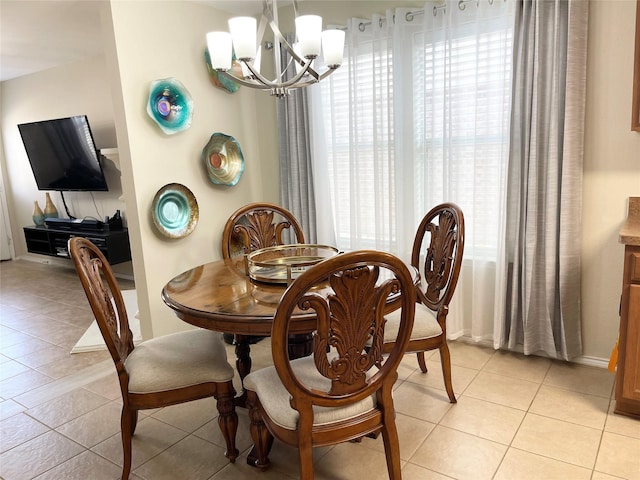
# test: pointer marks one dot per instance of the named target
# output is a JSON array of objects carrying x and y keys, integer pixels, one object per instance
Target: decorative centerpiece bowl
[{"x": 284, "y": 263}]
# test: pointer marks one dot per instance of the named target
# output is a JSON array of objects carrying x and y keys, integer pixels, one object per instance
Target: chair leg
[
  {"x": 305, "y": 454},
  {"x": 445, "y": 360},
  {"x": 127, "y": 425},
  {"x": 227, "y": 418},
  {"x": 422, "y": 362},
  {"x": 134, "y": 421},
  {"x": 262, "y": 439},
  {"x": 391, "y": 448}
]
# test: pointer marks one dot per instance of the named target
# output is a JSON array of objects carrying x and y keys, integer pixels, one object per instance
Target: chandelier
[{"x": 242, "y": 39}]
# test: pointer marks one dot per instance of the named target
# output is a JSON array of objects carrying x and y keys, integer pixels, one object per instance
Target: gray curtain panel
[
  {"x": 542, "y": 311},
  {"x": 296, "y": 175}
]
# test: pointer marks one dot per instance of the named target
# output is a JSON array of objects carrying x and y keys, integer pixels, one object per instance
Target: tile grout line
[{"x": 59, "y": 387}]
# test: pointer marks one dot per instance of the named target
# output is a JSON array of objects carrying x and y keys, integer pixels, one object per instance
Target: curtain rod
[
  {"x": 462, "y": 4},
  {"x": 409, "y": 16}
]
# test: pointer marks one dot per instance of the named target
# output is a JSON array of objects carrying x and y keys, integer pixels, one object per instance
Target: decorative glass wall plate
[
  {"x": 170, "y": 105},
  {"x": 175, "y": 211},
  {"x": 221, "y": 81},
  {"x": 223, "y": 159}
]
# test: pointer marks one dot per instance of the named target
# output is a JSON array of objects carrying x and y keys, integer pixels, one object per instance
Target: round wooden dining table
[{"x": 221, "y": 296}]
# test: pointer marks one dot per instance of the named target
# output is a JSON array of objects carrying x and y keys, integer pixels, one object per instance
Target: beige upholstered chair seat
[
  {"x": 425, "y": 324},
  {"x": 275, "y": 398},
  {"x": 178, "y": 360}
]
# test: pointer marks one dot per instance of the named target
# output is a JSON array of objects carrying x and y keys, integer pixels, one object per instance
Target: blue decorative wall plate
[
  {"x": 175, "y": 211},
  {"x": 170, "y": 105}
]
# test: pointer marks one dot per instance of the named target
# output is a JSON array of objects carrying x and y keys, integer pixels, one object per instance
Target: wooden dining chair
[
  {"x": 255, "y": 226},
  {"x": 343, "y": 390},
  {"x": 437, "y": 253},
  {"x": 163, "y": 371},
  {"x": 258, "y": 225}
]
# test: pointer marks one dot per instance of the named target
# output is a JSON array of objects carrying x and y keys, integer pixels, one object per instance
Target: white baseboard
[
  {"x": 581, "y": 360},
  {"x": 46, "y": 260},
  {"x": 592, "y": 361},
  {"x": 61, "y": 262}
]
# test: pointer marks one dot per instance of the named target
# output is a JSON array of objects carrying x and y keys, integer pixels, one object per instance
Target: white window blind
[{"x": 415, "y": 117}]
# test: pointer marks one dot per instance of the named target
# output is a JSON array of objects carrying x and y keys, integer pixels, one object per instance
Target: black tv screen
[{"x": 63, "y": 155}]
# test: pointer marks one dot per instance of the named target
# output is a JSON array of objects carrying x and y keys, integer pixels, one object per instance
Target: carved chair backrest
[
  {"x": 347, "y": 293},
  {"x": 105, "y": 298},
  {"x": 258, "y": 225},
  {"x": 437, "y": 253}
]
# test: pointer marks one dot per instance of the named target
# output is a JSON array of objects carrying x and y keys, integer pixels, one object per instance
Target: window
[{"x": 417, "y": 116}]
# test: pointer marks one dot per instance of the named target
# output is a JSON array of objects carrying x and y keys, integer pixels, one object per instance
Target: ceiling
[{"x": 36, "y": 35}]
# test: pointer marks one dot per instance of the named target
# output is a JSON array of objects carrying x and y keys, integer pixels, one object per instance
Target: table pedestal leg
[
  {"x": 243, "y": 365},
  {"x": 300, "y": 345}
]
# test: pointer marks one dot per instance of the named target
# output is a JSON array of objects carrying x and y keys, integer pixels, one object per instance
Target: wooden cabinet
[
  {"x": 628, "y": 371},
  {"x": 53, "y": 241}
]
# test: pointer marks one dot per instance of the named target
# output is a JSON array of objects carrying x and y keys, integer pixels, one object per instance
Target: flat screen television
[{"x": 63, "y": 155}]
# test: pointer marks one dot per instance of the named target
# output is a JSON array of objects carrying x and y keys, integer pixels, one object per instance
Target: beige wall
[
  {"x": 611, "y": 168},
  {"x": 155, "y": 40}
]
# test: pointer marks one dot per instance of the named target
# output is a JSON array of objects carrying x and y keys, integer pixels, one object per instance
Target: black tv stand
[{"x": 114, "y": 244}]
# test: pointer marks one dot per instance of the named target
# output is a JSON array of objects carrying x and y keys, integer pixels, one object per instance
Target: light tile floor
[{"x": 516, "y": 418}]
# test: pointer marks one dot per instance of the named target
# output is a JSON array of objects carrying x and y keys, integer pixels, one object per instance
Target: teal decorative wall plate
[
  {"x": 175, "y": 211},
  {"x": 170, "y": 105}
]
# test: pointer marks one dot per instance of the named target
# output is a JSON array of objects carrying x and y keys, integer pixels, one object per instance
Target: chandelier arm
[
  {"x": 288, "y": 83},
  {"x": 242, "y": 81},
  {"x": 264, "y": 83},
  {"x": 260, "y": 78},
  {"x": 327, "y": 73},
  {"x": 277, "y": 34},
  {"x": 270, "y": 13},
  {"x": 306, "y": 69},
  {"x": 313, "y": 72},
  {"x": 267, "y": 9},
  {"x": 324, "y": 75},
  {"x": 283, "y": 41}
]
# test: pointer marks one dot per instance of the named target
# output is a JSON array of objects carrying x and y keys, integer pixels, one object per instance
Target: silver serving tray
[{"x": 284, "y": 263}]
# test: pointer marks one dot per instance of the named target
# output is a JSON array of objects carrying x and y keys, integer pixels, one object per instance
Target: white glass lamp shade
[
  {"x": 333, "y": 47},
  {"x": 308, "y": 31},
  {"x": 255, "y": 63},
  {"x": 243, "y": 33},
  {"x": 219, "y": 45},
  {"x": 296, "y": 48}
]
